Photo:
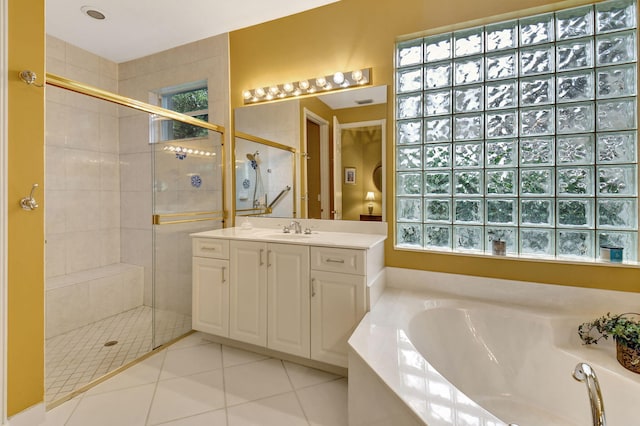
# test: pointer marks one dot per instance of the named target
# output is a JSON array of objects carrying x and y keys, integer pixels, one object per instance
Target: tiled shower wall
[
  {"x": 82, "y": 171},
  {"x": 202, "y": 60}
]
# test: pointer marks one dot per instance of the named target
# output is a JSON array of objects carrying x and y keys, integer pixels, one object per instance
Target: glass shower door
[{"x": 187, "y": 198}]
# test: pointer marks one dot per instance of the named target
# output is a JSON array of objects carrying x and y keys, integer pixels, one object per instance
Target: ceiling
[
  {"x": 137, "y": 28},
  {"x": 354, "y": 98}
]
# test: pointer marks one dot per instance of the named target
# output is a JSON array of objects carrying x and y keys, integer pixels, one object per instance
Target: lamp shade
[{"x": 370, "y": 196}]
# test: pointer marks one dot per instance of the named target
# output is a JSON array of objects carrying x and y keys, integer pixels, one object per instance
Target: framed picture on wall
[{"x": 350, "y": 175}]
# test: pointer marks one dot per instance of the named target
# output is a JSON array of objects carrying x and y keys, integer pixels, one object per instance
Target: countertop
[{"x": 316, "y": 238}]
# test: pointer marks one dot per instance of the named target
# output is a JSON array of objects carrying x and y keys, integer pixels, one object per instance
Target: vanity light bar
[{"x": 327, "y": 83}]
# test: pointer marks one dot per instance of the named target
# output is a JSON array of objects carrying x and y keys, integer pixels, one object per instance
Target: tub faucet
[
  {"x": 296, "y": 226},
  {"x": 584, "y": 373}
]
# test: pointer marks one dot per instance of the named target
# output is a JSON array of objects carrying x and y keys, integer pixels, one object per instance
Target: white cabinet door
[
  {"x": 248, "y": 292},
  {"x": 210, "y": 297},
  {"x": 288, "y": 299},
  {"x": 337, "y": 306}
]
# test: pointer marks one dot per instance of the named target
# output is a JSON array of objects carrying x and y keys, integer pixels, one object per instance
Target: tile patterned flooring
[
  {"x": 78, "y": 357},
  {"x": 196, "y": 382}
]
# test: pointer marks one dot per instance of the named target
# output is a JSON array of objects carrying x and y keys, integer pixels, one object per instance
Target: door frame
[
  {"x": 383, "y": 155},
  {"x": 4, "y": 144},
  {"x": 325, "y": 199}
]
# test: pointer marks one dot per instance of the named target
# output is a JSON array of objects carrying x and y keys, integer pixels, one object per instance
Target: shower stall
[{"x": 120, "y": 205}]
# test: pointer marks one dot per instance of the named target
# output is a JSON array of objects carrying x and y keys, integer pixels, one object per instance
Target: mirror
[{"x": 338, "y": 141}]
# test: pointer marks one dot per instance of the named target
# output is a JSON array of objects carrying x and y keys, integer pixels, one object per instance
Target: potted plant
[
  {"x": 498, "y": 242},
  {"x": 624, "y": 329}
]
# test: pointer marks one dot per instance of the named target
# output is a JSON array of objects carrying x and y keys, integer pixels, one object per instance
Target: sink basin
[{"x": 289, "y": 236}]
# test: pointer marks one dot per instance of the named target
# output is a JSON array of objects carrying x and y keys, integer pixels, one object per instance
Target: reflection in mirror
[
  {"x": 315, "y": 127},
  {"x": 264, "y": 176},
  {"x": 361, "y": 148}
]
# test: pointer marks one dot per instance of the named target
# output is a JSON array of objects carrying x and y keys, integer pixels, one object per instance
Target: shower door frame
[
  {"x": 272, "y": 144},
  {"x": 85, "y": 89}
]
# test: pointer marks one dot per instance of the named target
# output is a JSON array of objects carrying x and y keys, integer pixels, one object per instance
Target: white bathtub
[{"x": 433, "y": 357}]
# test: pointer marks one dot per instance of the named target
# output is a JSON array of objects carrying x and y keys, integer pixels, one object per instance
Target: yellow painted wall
[
  {"x": 25, "y": 358},
  {"x": 353, "y": 34}
]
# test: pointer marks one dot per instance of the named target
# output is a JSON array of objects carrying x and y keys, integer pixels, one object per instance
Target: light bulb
[
  {"x": 304, "y": 84},
  {"x": 288, "y": 87},
  {"x": 321, "y": 81},
  {"x": 259, "y": 92},
  {"x": 356, "y": 75},
  {"x": 274, "y": 90},
  {"x": 247, "y": 94},
  {"x": 338, "y": 78},
  {"x": 328, "y": 86}
]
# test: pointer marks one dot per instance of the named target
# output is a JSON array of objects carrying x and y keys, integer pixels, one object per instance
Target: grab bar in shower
[
  {"x": 280, "y": 195},
  {"x": 584, "y": 373},
  {"x": 186, "y": 217}
]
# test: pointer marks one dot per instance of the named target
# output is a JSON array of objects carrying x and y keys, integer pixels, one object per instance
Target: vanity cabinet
[
  {"x": 248, "y": 292},
  {"x": 269, "y": 295},
  {"x": 288, "y": 299},
  {"x": 210, "y": 289},
  {"x": 294, "y": 298},
  {"x": 338, "y": 301}
]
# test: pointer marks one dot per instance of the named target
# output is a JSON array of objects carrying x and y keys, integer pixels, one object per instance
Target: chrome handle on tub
[
  {"x": 313, "y": 287},
  {"x": 224, "y": 269},
  {"x": 330, "y": 260},
  {"x": 584, "y": 373},
  {"x": 261, "y": 253}
]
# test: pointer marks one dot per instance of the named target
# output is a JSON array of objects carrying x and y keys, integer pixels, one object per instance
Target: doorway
[{"x": 317, "y": 188}]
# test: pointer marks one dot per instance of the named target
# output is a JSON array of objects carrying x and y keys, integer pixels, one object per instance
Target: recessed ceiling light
[{"x": 92, "y": 12}]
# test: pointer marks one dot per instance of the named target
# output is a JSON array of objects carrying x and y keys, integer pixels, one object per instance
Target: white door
[
  {"x": 211, "y": 296},
  {"x": 288, "y": 299},
  {"x": 248, "y": 292},
  {"x": 337, "y": 306},
  {"x": 337, "y": 169}
]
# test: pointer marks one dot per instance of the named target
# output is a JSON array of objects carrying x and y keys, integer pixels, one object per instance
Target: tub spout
[{"x": 584, "y": 373}]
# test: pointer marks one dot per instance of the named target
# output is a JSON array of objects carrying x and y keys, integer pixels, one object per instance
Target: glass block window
[{"x": 523, "y": 131}]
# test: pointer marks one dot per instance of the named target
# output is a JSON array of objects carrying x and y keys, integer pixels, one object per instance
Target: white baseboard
[{"x": 32, "y": 416}]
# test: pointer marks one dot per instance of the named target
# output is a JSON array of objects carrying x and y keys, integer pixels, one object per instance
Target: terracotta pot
[{"x": 627, "y": 357}]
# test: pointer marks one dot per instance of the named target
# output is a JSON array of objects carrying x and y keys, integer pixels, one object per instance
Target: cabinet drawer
[
  {"x": 337, "y": 260},
  {"x": 209, "y": 247}
]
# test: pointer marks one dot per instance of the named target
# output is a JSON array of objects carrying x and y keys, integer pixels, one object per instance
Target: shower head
[{"x": 253, "y": 157}]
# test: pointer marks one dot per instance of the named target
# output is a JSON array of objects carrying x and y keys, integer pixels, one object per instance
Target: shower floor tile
[{"x": 80, "y": 356}]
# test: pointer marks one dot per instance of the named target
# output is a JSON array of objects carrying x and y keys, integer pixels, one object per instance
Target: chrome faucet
[
  {"x": 295, "y": 225},
  {"x": 584, "y": 373}
]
